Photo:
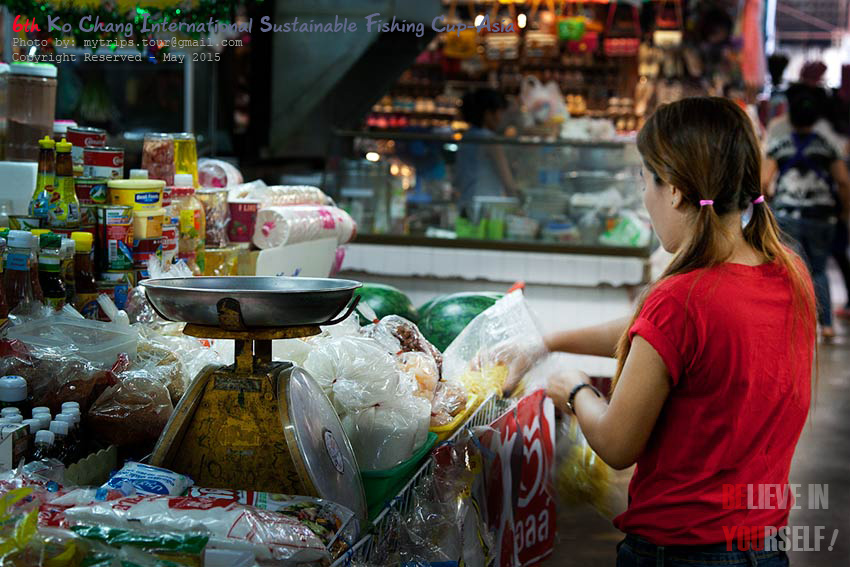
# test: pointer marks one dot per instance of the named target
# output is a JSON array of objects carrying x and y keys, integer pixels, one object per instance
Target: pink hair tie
[
  {"x": 706, "y": 202},
  {"x": 759, "y": 199}
]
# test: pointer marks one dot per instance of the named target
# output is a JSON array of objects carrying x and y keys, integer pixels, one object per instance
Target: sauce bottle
[
  {"x": 50, "y": 271},
  {"x": 33, "y": 427},
  {"x": 4, "y": 305},
  {"x": 65, "y": 205},
  {"x": 37, "y": 292},
  {"x": 60, "y": 443},
  {"x": 14, "y": 394},
  {"x": 66, "y": 259},
  {"x": 43, "y": 448},
  {"x": 73, "y": 439},
  {"x": 16, "y": 276},
  {"x": 192, "y": 227},
  {"x": 86, "y": 300},
  {"x": 45, "y": 179}
]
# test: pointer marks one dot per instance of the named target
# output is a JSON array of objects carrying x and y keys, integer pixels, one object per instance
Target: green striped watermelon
[
  {"x": 386, "y": 300},
  {"x": 443, "y": 318}
]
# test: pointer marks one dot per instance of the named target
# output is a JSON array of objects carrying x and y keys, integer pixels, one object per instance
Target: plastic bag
[
  {"x": 450, "y": 399},
  {"x": 216, "y": 216},
  {"x": 133, "y": 412},
  {"x": 147, "y": 479},
  {"x": 138, "y": 308},
  {"x": 278, "y": 226},
  {"x": 387, "y": 434},
  {"x": 355, "y": 372},
  {"x": 581, "y": 476},
  {"x": 544, "y": 103},
  {"x": 423, "y": 369},
  {"x": 399, "y": 335},
  {"x": 270, "y": 536}
]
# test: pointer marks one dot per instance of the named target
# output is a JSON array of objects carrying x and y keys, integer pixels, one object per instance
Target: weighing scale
[{"x": 258, "y": 424}]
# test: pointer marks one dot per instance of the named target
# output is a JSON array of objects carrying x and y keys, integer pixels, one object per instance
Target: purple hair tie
[
  {"x": 706, "y": 202},
  {"x": 759, "y": 199}
]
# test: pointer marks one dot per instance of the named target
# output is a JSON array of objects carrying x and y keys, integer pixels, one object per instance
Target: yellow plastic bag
[{"x": 582, "y": 477}]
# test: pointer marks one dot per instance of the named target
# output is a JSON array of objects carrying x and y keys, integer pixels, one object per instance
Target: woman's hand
[
  {"x": 518, "y": 356},
  {"x": 562, "y": 383}
]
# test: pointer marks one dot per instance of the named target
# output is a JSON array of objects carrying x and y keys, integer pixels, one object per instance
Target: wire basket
[{"x": 379, "y": 538}]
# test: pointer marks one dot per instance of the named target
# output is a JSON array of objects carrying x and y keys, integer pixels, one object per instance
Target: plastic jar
[
  {"x": 158, "y": 157},
  {"x": 13, "y": 393},
  {"x": 186, "y": 156},
  {"x": 32, "y": 108}
]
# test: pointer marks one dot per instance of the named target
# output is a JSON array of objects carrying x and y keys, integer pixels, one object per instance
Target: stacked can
[
  {"x": 91, "y": 191},
  {"x": 170, "y": 229},
  {"x": 82, "y": 137},
  {"x": 144, "y": 196},
  {"x": 103, "y": 162}
]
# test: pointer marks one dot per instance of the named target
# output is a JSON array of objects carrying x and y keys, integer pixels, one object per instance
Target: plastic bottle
[
  {"x": 74, "y": 442},
  {"x": 4, "y": 305},
  {"x": 60, "y": 444},
  {"x": 50, "y": 271},
  {"x": 43, "y": 448},
  {"x": 16, "y": 276},
  {"x": 33, "y": 427},
  {"x": 45, "y": 179},
  {"x": 66, "y": 257},
  {"x": 14, "y": 394},
  {"x": 192, "y": 226},
  {"x": 44, "y": 419},
  {"x": 86, "y": 300},
  {"x": 65, "y": 205},
  {"x": 37, "y": 292},
  {"x": 9, "y": 411},
  {"x": 40, "y": 409},
  {"x": 14, "y": 419}
]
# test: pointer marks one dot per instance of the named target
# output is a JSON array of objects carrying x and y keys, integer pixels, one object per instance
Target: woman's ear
[{"x": 677, "y": 198}]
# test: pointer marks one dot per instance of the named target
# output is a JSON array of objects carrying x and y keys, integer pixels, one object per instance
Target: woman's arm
[
  {"x": 497, "y": 156},
  {"x": 769, "y": 169},
  {"x": 842, "y": 179},
  {"x": 618, "y": 431},
  {"x": 598, "y": 340}
]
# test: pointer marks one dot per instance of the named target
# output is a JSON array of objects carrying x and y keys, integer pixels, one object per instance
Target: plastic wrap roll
[
  {"x": 216, "y": 173},
  {"x": 278, "y": 226},
  {"x": 288, "y": 195}
]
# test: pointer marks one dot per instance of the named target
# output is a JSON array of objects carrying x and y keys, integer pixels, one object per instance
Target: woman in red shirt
[{"x": 713, "y": 384}]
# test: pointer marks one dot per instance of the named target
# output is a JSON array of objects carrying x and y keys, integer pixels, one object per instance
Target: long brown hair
[{"x": 707, "y": 148}]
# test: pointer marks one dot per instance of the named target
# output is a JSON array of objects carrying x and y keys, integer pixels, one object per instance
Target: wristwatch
[{"x": 576, "y": 390}]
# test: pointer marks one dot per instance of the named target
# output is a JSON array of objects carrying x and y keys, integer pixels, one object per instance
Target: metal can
[
  {"x": 145, "y": 250},
  {"x": 20, "y": 222},
  {"x": 88, "y": 214},
  {"x": 83, "y": 137},
  {"x": 169, "y": 240},
  {"x": 115, "y": 237},
  {"x": 91, "y": 190},
  {"x": 103, "y": 162},
  {"x": 119, "y": 276}
]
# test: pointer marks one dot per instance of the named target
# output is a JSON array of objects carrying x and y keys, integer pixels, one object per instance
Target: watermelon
[
  {"x": 447, "y": 316},
  {"x": 386, "y": 300}
]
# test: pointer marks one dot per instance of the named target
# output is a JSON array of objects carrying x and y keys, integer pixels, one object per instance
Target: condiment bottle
[
  {"x": 185, "y": 156},
  {"x": 60, "y": 444},
  {"x": 86, "y": 300},
  {"x": 37, "y": 292},
  {"x": 192, "y": 223},
  {"x": 66, "y": 257},
  {"x": 16, "y": 276},
  {"x": 44, "y": 419},
  {"x": 65, "y": 205},
  {"x": 50, "y": 271},
  {"x": 4, "y": 305},
  {"x": 33, "y": 427},
  {"x": 14, "y": 394},
  {"x": 73, "y": 440},
  {"x": 170, "y": 230},
  {"x": 43, "y": 449},
  {"x": 45, "y": 179}
]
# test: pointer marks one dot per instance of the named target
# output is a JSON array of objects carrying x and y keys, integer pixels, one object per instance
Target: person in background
[
  {"x": 812, "y": 189},
  {"x": 482, "y": 169},
  {"x": 840, "y": 120},
  {"x": 713, "y": 384},
  {"x": 777, "y": 104}
]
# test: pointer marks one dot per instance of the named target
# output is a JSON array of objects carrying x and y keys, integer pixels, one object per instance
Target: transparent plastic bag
[
  {"x": 399, "y": 335},
  {"x": 450, "y": 400},
  {"x": 216, "y": 173},
  {"x": 423, "y": 369},
  {"x": 582, "y": 477},
  {"x": 133, "y": 412}
]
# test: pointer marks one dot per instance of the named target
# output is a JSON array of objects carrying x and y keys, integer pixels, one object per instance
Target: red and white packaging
[
  {"x": 279, "y": 226},
  {"x": 103, "y": 162}
]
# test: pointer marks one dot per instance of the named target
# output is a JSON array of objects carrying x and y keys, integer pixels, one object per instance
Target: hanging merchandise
[
  {"x": 543, "y": 42},
  {"x": 618, "y": 42},
  {"x": 502, "y": 44},
  {"x": 668, "y": 24},
  {"x": 460, "y": 44},
  {"x": 571, "y": 23}
]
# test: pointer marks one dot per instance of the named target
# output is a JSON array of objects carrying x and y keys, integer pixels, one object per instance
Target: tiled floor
[{"x": 823, "y": 457}]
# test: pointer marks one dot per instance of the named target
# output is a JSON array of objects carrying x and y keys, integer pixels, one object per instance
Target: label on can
[
  {"x": 169, "y": 242},
  {"x": 115, "y": 231},
  {"x": 90, "y": 191},
  {"x": 88, "y": 214},
  {"x": 81, "y": 138},
  {"x": 103, "y": 162},
  {"x": 87, "y": 305}
]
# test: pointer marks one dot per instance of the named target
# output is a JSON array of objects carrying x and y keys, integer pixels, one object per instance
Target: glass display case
[{"x": 577, "y": 197}]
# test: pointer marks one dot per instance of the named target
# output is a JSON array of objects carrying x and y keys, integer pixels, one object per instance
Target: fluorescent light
[
  {"x": 373, "y": 156},
  {"x": 521, "y": 20},
  {"x": 478, "y": 19}
]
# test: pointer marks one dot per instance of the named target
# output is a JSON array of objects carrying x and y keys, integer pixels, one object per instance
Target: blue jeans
[
  {"x": 637, "y": 552},
  {"x": 813, "y": 240}
]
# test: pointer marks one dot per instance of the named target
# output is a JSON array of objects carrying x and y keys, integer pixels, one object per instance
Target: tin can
[
  {"x": 88, "y": 214},
  {"x": 66, "y": 232},
  {"x": 169, "y": 240},
  {"x": 82, "y": 137},
  {"x": 20, "y": 222},
  {"x": 141, "y": 194},
  {"x": 103, "y": 162},
  {"x": 145, "y": 250},
  {"x": 119, "y": 276},
  {"x": 115, "y": 237},
  {"x": 91, "y": 190}
]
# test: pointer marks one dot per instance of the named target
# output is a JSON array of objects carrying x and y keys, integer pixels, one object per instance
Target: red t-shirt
[{"x": 739, "y": 400}]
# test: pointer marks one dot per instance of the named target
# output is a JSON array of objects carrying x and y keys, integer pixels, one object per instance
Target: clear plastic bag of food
[
  {"x": 450, "y": 400},
  {"x": 399, "y": 335},
  {"x": 133, "y": 412},
  {"x": 355, "y": 372},
  {"x": 582, "y": 477},
  {"x": 216, "y": 215},
  {"x": 423, "y": 369}
]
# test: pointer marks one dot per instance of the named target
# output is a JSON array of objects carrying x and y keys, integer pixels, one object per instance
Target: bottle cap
[
  {"x": 63, "y": 147},
  {"x": 66, "y": 405},
  {"x": 68, "y": 246},
  {"x": 41, "y": 409},
  {"x": 59, "y": 427},
  {"x": 184, "y": 180},
  {"x": 14, "y": 419},
  {"x": 67, "y": 418},
  {"x": 6, "y": 412},
  {"x": 45, "y": 436},
  {"x": 83, "y": 240},
  {"x": 19, "y": 239},
  {"x": 39, "y": 231},
  {"x": 47, "y": 143},
  {"x": 34, "y": 243},
  {"x": 44, "y": 420},
  {"x": 50, "y": 240},
  {"x": 13, "y": 389},
  {"x": 138, "y": 174},
  {"x": 34, "y": 425}
]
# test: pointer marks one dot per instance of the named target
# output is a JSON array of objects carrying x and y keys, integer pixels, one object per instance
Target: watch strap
[{"x": 576, "y": 390}]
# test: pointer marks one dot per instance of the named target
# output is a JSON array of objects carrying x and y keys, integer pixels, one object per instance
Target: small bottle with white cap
[
  {"x": 73, "y": 440},
  {"x": 13, "y": 393},
  {"x": 43, "y": 445},
  {"x": 60, "y": 443},
  {"x": 33, "y": 427}
]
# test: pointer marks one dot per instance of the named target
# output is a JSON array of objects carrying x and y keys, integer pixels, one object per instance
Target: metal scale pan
[{"x": 258, "y": 424}]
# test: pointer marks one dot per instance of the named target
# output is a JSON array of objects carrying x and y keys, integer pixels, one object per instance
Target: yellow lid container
[
  {"x": 83, "y": 241},
  {"x": 141, "y": 194},
  {"x": 148, "y": 224}
]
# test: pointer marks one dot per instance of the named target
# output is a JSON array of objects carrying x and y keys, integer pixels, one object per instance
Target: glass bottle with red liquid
[
  {"x": 37, "y": 292},
  {"x": 86, "y": 286},
  {"x": 17, "y": 280}
]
